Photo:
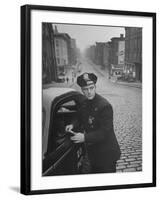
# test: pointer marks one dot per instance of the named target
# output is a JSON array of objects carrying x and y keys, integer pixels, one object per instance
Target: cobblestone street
[
  {"x": 127, "y": 124},
  {"x": 127, "y": 107}
]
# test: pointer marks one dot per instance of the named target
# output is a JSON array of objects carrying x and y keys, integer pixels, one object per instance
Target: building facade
[
  {"x": 117, "y": 55},
  {"x": 62, "y": 52},
  {"x": 59, "y": 53},
  {"x": 133, "y": 55},
  {"x": 49, "y": 66},
  {"x": 73, "y": 52},
  {"x": 99, "y": 53},
  {"x": 106, "y": 55},
  {"x": 92, "y": 53}
]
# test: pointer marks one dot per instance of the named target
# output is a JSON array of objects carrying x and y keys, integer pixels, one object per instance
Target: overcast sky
[{"x": 87, "y": 35}]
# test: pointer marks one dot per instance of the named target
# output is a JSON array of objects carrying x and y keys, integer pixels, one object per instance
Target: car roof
[{"x": 50, "y": 94}]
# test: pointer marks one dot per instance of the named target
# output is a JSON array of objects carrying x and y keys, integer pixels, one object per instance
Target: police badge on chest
[{"x": 90, "y": 121}]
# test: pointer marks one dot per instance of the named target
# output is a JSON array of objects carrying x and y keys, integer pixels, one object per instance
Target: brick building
[
  {"x": 99, "y": 53},
  {"x": 66, "y": 51},
  {"x": 133, "y": 52},
  {"x": 91, "y": 53},
  {"x": 106, "y": 55},
  {"x": 49, "y": 68},
  {"x": 73, "y": 52},
  {"x": 62, "y": 50}
]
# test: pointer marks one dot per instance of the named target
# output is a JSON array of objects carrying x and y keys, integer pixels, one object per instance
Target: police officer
[{"x": 96, "y": 115}]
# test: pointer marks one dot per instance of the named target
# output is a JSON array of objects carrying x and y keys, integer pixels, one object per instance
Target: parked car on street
[{"x": 60, "y": 155}]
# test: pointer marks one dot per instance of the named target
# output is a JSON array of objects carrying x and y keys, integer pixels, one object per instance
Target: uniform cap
[{"x": 86, "y": 79}]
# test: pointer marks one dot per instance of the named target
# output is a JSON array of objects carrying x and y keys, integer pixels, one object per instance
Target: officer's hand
[
  {"x": 78, "y": 138},
  {"x": 69, "y": 128}
]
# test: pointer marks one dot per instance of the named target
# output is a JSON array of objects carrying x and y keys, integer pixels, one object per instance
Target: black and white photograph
[
  {"x": 92, "y": 99},
  {"x": 88, "y": 99}
]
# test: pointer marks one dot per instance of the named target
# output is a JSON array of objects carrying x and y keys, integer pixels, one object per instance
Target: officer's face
[{"x": 89, "y": 91}]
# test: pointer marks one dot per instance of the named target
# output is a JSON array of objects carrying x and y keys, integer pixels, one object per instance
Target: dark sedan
[{"x": 60, "y": 155}]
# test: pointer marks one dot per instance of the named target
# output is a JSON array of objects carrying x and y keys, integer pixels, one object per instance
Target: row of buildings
[
  {"x": 121, "y": 56},
  {"x": 59, "y": 53}
]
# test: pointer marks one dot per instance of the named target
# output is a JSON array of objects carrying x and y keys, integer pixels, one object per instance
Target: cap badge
[{"x": 85, "y": 77}]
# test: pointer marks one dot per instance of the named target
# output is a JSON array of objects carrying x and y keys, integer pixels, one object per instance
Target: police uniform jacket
[{"x": 97, "y": 118}]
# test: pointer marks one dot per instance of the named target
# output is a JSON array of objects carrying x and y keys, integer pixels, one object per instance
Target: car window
[
  {"x": 69, "y": 103},
  {"x": 68, "y": 106}
]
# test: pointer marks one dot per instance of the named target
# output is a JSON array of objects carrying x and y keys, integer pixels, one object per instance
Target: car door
[{"x": 63, "y": 157}]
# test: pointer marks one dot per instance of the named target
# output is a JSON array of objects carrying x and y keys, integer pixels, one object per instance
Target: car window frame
[{"x": 55, "y": 103}]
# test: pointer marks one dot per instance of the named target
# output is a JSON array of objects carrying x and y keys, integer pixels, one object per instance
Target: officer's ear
[{"x": 82, "y": 89}]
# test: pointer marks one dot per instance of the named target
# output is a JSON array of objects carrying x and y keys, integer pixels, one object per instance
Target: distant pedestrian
[{"x": 67, "y": 80}]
